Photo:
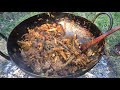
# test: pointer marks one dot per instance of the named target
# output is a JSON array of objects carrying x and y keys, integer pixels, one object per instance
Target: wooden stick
[{"x": 98, "y": 39}]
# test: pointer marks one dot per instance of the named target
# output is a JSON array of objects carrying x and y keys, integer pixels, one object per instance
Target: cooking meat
[{"x": 47, "y": 49}]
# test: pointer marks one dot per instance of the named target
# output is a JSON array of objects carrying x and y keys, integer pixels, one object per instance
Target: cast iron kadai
[{"x": 16, "y": 34}]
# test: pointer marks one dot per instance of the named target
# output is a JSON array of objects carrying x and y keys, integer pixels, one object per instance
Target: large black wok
[{"x": 37, "y": 20}]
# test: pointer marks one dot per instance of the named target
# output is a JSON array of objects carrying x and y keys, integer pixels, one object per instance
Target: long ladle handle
[{"x": 96, "y": 40}]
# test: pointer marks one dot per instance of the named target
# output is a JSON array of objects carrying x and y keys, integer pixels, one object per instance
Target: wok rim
[{"x": 38, "y": 76}]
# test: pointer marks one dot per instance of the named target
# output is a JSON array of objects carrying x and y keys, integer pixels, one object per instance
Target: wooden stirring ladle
[{"x": 87, "y": 45}]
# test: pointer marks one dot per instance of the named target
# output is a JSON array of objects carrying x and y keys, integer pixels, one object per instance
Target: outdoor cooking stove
[{"x": 101, "y": 70}]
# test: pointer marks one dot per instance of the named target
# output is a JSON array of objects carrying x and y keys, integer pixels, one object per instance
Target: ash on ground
[{"x": 101, "y": 70}]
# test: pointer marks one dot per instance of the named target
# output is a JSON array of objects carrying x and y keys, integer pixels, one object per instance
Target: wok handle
[
  {"x": 110, "y": 17},
  {"x": 2, "y": 54}
]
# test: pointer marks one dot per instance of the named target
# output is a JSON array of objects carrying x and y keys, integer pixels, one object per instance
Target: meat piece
[
  {"x": 36, "y": 66},
  {"x": 46, "y": 65},
  {"x": 58, "y": 49},
  {"x": 63, "y": 55},
  {"x": 25, "y": 45},
  {"x": 66, "y": 41},
  {"x": 57, "y": 66},
  {"x": 73, "y": 69},
  {"x": 40, "y": 46}
]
